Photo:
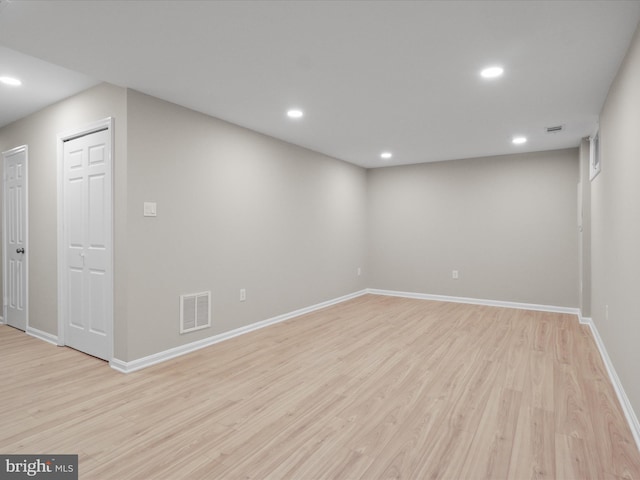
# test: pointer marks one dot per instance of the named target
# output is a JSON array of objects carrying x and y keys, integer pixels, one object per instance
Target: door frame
[
  {"x": 5, "y": 299},
  {"x": 104, "y": 124}
]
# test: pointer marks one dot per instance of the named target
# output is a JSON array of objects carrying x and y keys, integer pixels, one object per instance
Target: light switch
[{"x": 150, "y": 209}]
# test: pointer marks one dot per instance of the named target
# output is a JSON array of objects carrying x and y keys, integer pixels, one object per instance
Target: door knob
[{"x": 20, "y": 250}]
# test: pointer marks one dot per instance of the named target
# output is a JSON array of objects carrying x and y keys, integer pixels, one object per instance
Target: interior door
[
  {"x": 15, "y": 237},
  {"x": 87, "y": 282}
]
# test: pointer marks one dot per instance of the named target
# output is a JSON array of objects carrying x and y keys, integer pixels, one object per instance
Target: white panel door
[
  {"x": 15, "y": 237},
  {"x": 87, "y": 244}
]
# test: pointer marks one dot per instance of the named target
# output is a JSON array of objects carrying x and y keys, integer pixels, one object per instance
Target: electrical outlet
[
  {"x": 243, "y": 294},
  {"x": 359, "y": 271},
  {"x": 150, "y": 209},
  {"x": 454, "y": 274}
]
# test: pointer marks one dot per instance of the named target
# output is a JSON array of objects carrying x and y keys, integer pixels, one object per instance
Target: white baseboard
[
  {"x": 632, "y": 419},
  {"x": 1, "y": 320},
  {"x": 585, "y": 320},
  {"x": 47, "y": 337},
  {"x": 476, "y": 301},
  {"x": 140, "y": 363},
  {"x": 132, "y": 366}
]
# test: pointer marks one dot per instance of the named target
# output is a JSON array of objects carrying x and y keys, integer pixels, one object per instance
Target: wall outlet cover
[{"x": 150, "y": 209}]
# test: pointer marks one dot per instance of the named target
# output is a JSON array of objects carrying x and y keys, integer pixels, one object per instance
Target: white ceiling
[
  {"x": 43, "y": 84},
  {"x": 369, "y": 75}
]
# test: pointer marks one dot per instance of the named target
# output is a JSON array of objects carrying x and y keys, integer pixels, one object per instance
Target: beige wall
[
  {"x": 39, "y": 131},
  {"x": 615, "y": 235},
  {"x": 508, "y": 224},
  {"x": 236, "y": 209}
]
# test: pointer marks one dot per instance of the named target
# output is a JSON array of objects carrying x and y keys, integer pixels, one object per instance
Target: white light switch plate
[{"x": 150, "y": 209}]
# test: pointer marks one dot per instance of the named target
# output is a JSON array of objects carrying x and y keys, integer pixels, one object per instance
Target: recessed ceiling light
[
  {"x": 492, "y": 72},
  {"x": 295, "y": 113},
  {"x": 519, "y": 140},
  {"x": 386, "y": 155},
  {"x": 14, "y": 82}
]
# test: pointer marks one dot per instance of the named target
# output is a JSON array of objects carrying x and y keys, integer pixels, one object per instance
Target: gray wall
[
  {"x": 236, "y": 209},
  {"x": 39, "y": 131},
  {"x": 584, "y": 214},
  {"x": 615, "y": 235},
  {"x": 508, "y": 224}
]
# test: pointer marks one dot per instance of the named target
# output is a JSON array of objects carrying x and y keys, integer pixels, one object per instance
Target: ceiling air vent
[{"x": 554, "y": 129}]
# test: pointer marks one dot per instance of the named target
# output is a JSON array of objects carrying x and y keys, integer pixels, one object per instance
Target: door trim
[
  {"x": 104, "y": 124},
  {"x": 6, "y": 154}
]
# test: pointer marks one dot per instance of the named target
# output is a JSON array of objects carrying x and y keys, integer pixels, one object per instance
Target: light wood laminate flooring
[{"x": 376, "y": 387}]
